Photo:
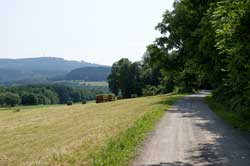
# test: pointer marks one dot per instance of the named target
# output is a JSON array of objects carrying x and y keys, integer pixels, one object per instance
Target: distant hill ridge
[
  {"x": 41, "y": 67},
  {"x": 89, "y": 74},
  {"x": 43, "y": 63}
]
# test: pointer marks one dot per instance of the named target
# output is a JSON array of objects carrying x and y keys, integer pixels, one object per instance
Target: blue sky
[{"x": 98, "y": 31}]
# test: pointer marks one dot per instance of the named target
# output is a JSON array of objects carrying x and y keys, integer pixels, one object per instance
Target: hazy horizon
[
  {"x": 95, "y": 31},
  {"x": 42, "y": 57}
]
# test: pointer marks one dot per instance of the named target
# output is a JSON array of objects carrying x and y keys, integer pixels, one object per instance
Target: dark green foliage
[
  {"x": 238, "y": 119},
  {"x": 167, "y": 83},
  {"x": 206, "y": 44},
  {"x": 150, "y": 90},
  {"x": 76, "y": 96},
  {"x": 63, "y": 93},
  {"x": 125, "y": 76},
  {"x": 69, "y": 103},
  {"x": 230, "y": 19},
  {"x": 2, "y": 101},
  {"x": 11, "y": 99},
  {"x": 151, "y": 73},
  {"x": 45, "y": 94},
  {"x": 179, "y": 48},
  {"x": 30, "y": 99}
]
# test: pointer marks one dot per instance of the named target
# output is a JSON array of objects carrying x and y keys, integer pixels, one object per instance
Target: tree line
[
  {"x": 44, "y": 94},
  {"x": 204, "y": 44},
  {"x": 135, "y": 78}
]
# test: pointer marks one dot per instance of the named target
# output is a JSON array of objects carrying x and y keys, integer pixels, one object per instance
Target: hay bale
[
  {"x": 100, "y": 98},
  {"x": 105, "y": 98},
  {"x": 111, "y": 97}
]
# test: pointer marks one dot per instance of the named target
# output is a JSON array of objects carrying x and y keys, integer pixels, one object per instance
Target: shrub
[
  {"x": 69, "y": 103},
  {"x": 84, "y": 102},
  {"x": 76, "y": 96},
  {"x": 150, "y": 90},
  {"x": 11, "y": 99},
  {"x": 41, "y": 99},
  {"x": 29, "y": 99},
  {"x": 245, "y": 113}
]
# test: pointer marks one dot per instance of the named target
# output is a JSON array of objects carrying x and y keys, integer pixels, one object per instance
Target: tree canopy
[{"x": 204, "y": 44}]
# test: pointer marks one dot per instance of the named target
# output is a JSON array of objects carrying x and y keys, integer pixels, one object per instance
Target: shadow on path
[
  {"x": 227, "y": 147},
  {"x": 193, "y": 135}
]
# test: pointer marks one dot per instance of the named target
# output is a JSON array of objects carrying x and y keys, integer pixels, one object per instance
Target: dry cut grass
[{"x": 63, "y": 135}]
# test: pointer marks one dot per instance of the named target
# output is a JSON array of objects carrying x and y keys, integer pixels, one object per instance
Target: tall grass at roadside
[{"x": 231, "y": 117}]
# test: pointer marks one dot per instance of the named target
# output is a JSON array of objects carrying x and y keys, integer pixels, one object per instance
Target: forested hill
[
  {"x": 43, "y": 63},
  {"x": 29, "y": 68},
  {"x": 89, "y": 74}
]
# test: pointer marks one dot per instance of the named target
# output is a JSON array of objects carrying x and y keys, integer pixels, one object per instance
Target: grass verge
[
  {"x": 121, "y": 150},
  {"x": 231, "y": 117}
]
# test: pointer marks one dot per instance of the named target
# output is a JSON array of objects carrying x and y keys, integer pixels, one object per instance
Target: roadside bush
[
  {"x": 167, "y": 84},
  {"x": 245, "y": 114},
  {"x": 69, "y": 103},
  {"x": 150, "y": 90}
]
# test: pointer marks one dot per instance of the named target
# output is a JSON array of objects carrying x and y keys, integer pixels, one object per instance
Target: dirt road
[{"x": 190, "y": 134}]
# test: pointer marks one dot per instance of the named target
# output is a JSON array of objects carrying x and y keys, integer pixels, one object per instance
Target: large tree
[
  {"x": 125, "y": 76},
  {"x": 181, "y": 31}
]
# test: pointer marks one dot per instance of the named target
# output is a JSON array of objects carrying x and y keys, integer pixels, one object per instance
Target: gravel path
[{"x": 190, "y": 134}]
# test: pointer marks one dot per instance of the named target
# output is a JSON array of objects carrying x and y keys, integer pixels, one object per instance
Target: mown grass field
[
  {"x": 88, "y": 83},
  {"x": 72, "y": 135},
  {"x": 100, "y": 83}
]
